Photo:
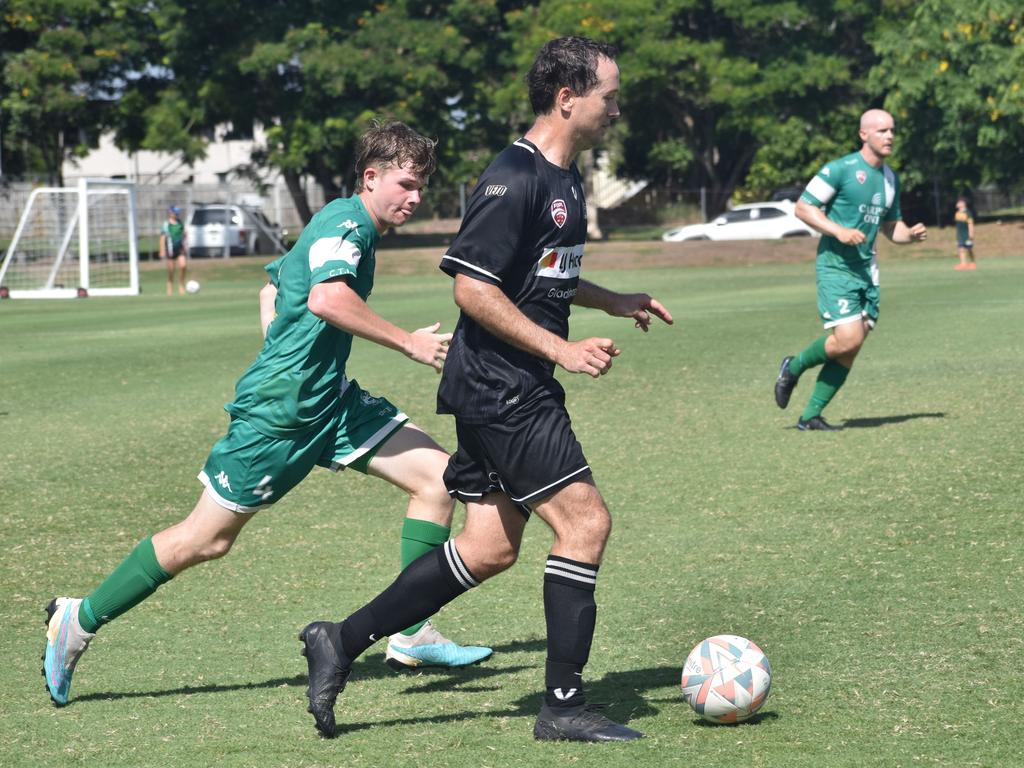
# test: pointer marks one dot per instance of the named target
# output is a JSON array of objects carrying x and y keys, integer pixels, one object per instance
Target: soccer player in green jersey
[
  {"x": 849, "y": 201},
  {"x": 295, "y": 408},
  {"x": 964, "y": 220},
  {"x": 173, "y": 248}
]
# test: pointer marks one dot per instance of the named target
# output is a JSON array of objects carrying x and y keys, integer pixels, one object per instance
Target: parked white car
[
  {"x": 754, "y": 221},
  {"x": 249, "y": 231}
]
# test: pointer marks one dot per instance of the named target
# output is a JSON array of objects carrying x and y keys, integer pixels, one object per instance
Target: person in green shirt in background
[
  {"x": 174, "y": 248},
  {"x": 848, "y": 201},
  {"x": 296, "y": 408},
  {"x": 964, "y": 220}
]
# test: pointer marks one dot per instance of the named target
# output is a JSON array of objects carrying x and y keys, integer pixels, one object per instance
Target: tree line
[{"x": 737, "y": 96}]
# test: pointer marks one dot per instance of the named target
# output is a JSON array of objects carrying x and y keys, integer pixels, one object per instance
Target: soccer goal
[{"x": 74, "y": 241}]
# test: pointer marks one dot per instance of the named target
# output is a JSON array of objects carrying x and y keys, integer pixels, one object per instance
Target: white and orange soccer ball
[{"x": 726, "y": 679}]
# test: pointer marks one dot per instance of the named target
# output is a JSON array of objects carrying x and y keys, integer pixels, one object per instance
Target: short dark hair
[
  {"x": 392, "y": 144},
  {"x": 567, "y": 62}
]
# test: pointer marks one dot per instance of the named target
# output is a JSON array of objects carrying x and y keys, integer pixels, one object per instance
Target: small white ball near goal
[
  {"x": 192, "y": 286},
  {"x": 726, "y": 679}
]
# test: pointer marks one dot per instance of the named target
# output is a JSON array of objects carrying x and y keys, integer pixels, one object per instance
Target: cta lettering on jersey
[
  {"x": 861, "y": 176},
  {"x": 562, "y": 263},
  {"x": 559, "y": 212},
  {"x": 495, "y": 190}
]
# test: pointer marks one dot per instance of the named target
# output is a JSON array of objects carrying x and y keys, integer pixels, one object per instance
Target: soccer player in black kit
[{"x": 516, "y": 265}]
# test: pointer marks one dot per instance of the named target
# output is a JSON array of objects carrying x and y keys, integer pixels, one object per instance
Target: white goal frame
[{"x": 88, "y": 192}]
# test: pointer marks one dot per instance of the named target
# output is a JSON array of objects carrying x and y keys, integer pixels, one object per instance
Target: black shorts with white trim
[{"x": 528, "y": 457}]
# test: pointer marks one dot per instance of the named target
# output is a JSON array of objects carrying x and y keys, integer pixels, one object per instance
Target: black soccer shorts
[{"x": 528, "y": 457}]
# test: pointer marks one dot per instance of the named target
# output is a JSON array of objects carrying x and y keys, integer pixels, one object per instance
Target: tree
[
  {"x": 953, "y": 77},
  {"x": 314, "y": 74},
  {"x": 64, "y": 68}
]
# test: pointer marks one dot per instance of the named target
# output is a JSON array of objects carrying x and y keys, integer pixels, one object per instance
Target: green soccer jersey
[
  {"x": 175, "y": 232},
  {"x": 295, "y": 381},
  {"x": 857, "y": 196}
]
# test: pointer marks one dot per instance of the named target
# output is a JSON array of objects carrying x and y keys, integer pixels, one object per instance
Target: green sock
[
  {"x": 811, "y": 357},
  {"x": 135, "y": 579},
  {"x": 418, "y": 538},
  {"x": 829, "y": 381}
]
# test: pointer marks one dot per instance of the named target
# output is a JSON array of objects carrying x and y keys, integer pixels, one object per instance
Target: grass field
[{"x": 880, "y": 567}]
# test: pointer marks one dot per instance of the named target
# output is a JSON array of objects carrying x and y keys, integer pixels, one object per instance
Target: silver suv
[{"x": 249, "y": 231}]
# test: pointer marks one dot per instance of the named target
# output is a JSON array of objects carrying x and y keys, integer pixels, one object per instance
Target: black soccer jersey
[{"x": 524, "y": 231}]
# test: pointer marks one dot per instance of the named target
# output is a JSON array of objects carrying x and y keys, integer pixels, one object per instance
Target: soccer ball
[
  {"x": 192, "y": 286},
  {"x": 726, "y": 679}
]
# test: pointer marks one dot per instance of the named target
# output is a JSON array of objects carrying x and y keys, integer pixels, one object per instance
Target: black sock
[
  {"x": 571, "y": 614},
  {"x": 428, "y": 583}
]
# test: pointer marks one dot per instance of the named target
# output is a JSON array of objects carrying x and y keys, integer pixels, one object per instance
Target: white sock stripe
[
  {"x": 459, "y": 569},
  {"x": 586, "y": 570},
  {"x": 570, "y": 575}
]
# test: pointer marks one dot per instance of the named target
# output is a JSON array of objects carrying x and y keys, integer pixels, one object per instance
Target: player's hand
[
  {"x": 640, "y": 307},
  {"x": 918, "y": 233},
  {"x": 590, "y": 356},
  {"x": 429, "y": 347},
  {"x": 850, "y": 236},
  {"x": 968, "y": 243}
]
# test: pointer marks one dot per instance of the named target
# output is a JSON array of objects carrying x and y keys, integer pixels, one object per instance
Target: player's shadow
[
  {"x": 367, "y": 668},
  {"x": 881, "y": 421},
  {"x": 624, "y": 693}
]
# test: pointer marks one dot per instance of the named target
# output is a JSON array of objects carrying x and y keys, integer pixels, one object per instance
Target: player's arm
[
  {"x": 814, "y": 217},
  {"x": 491, "y": 308},
  {"x": 268, "y": 300},
  {"x": 970, "y": 231},
  {"x": 163, "y": 245},
  {"x": 638, "y": 306},
  {"x": 901, "y": 234},
  {"x": 334, "y": 302}
]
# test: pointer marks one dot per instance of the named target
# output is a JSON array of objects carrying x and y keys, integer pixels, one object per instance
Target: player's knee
[
  {"x": 848, "y": 346},
  {"x": 213, "y": 549},
  {"x": 498, "y": 558}
]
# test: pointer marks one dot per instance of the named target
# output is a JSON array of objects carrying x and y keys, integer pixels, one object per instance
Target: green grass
[{"x": 880, "y": 567}]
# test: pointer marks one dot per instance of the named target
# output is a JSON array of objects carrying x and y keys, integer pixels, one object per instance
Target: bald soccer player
[{"x": 848, "y": 201}]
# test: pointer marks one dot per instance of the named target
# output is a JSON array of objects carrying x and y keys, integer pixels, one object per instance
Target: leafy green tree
[
  {"x": 314, "y": 74},
  {"x": 65, "y": 66},
  {"x": 953, "y": 77}
]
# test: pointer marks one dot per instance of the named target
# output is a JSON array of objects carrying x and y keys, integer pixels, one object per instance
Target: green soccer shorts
[
  {"x": 845, "y": 296},
  {"x": 247, "y": 470}
]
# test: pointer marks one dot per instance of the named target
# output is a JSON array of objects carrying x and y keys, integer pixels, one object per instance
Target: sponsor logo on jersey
[
  {"x": 368, "y": 400},
  {"x": 876, "y": 199},
  {"x": 861, "y": 176},
  {"x": 333, "y": 249},
  {"x": 825, "y": 171},
  {"x": 562, "y": 263},
  {"x": 559, "y": 212},
  {"x": 348, "y": 224},
  {"x": 495, "y": 190}
]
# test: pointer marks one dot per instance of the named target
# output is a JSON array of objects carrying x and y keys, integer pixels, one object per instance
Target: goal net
[{"x": 74, "y": 241}]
